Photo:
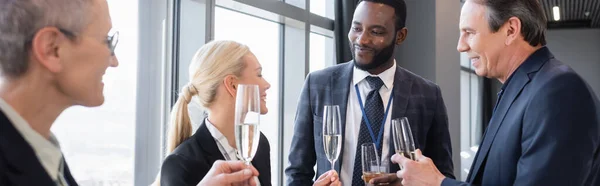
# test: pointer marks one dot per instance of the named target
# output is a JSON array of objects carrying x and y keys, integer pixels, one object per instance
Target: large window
[
  {"x": 288, "y": 44},
  {"x": 98, "y": 143},
  {"x": 322, "y": 8},
  {"x": 262, "y": 36},
  {"x": 321, "y": 52}
]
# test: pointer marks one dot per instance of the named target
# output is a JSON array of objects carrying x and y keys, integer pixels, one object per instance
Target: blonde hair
[{"x": 210, "y": 65}]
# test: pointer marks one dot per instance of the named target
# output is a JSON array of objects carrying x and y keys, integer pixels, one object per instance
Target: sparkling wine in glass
[
  {"x": 404, "y": 142},
  {"x": 332, "y": 133},
  {"x": 247, "y": 119}
]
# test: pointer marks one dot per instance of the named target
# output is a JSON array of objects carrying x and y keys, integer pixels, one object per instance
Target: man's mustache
[{"x": 363, "y": 47}]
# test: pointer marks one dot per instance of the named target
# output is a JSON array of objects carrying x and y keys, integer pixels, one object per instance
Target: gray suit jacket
[{"x": 414, "y": 97}]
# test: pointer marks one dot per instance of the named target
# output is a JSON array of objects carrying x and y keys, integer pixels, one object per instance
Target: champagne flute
[
  {"x": 404, "y": 142},
  {"x": 371, "y": 165},
  {"x": 247, "y": 119},
  {"x": 332, "y": 133}
]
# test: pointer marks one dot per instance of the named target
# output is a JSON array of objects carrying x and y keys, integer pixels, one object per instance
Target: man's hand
[
  {"x": 420, "y": 172},
  {"x": 230, "y": 173},
  {"x": 387, "y": 179},
  {"x": 329, "y": 178}
]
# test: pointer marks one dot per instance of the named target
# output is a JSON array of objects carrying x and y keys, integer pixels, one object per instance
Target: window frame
[{"x": 153, "y": 87}]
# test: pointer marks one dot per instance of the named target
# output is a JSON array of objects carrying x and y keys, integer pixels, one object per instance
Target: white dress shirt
[
  {"x": 47, "y": 150},
  {"x": 354, "y": 117},
  {"x": 229, "y": 153}
]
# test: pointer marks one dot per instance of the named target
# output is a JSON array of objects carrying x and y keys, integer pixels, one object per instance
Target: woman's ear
[{"x": 230, "y": 82}]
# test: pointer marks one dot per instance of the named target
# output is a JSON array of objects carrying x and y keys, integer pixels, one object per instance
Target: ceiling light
[
  {"x": 587, "y": 14},
  {"x": 556, "y": 13}
]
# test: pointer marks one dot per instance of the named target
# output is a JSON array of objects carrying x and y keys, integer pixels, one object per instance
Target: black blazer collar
[
  {"x": 209, "y": 145},
  {"x": 20, "y": 157},
  {"x": 211, "y": 152}
]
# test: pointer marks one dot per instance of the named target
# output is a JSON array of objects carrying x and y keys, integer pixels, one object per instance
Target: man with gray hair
[
  {"x": 545, "y": 127},
  {"x": 53, "y": 54}
]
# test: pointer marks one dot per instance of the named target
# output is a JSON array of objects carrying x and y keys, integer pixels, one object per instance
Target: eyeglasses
[{"x": 111, "y": 40}]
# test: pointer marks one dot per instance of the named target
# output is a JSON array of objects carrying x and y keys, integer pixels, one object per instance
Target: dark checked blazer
[{"x": 414, "y": 97}]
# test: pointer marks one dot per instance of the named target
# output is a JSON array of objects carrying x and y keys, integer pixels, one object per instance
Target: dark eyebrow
[{"x": 371, "y": 27}]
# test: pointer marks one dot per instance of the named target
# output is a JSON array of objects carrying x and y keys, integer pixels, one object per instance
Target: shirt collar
[
  {"x": 221, "y": 139},
  {"x": 47, "y": 150},
  {"x": 386, "y": 76}
]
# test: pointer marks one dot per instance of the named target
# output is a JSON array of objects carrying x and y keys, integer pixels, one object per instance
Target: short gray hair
[
  {"x": 21, "y": 19},
  {"x": 530, "y": 12}
]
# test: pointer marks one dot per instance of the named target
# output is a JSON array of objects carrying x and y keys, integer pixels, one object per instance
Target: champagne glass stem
[{"x": 332, "y": 163}]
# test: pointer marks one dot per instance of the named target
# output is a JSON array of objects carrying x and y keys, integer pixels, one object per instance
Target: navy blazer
[
  {"x": 414, "y": 97},
  {"x": 19, "y": 165},
  {"x": 192, "y": 160},
  {"x": 544, "y": 131}
]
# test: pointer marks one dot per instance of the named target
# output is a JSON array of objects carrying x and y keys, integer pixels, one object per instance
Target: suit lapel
[
  {"x": 521, "y": 77},
  {"x": 512, "y": 91},
  {"x": 402, "y": 88},
  {"x": 67, "y": 173},
  {"x": 24, "y": 165},
  {"x": 261, "y": 162},
  {"x": 340, "y": 87},
  {"x": 209, "y": 145}
]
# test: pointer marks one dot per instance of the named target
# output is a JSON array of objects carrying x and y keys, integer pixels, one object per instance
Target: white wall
[{"x": 580, "y": 49}]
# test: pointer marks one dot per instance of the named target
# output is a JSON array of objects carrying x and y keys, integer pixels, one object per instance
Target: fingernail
[{"x": 247, "y": 172}]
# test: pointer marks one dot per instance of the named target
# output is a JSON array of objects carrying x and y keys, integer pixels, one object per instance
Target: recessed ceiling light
[
  {"x": 556, "y": 13},
  {"x": 587, "y": 14}
]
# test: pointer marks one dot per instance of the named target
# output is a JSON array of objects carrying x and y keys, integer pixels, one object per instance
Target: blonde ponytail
[
  {"x": 181, "y": 126},
  {"x": 211, "y": 63}
]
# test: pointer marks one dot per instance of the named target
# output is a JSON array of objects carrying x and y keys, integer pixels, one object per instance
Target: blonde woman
[{"x": 215, "y": 73}]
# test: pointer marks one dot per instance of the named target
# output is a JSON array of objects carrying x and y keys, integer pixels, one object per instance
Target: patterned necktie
[{"x": 374, "y": 111}]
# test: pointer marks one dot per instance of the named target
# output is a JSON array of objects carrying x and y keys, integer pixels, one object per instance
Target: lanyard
[{"x": 378, "y": 141}]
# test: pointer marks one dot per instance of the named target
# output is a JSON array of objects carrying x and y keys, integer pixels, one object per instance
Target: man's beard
[{"x": 380, "y": 56}]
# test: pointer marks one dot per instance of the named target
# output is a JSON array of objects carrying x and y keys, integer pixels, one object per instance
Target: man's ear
[
  {"x": 401, "y": 35},
  {"x": 512, "y": 30},
  {"x": 45, "y": 45}
]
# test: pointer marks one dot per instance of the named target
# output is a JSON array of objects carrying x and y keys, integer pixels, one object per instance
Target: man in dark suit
[
  {"x": 545, "y": 128},
  {"x": 53, "y": 55},
  {"x": 372, "y": 84}
]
